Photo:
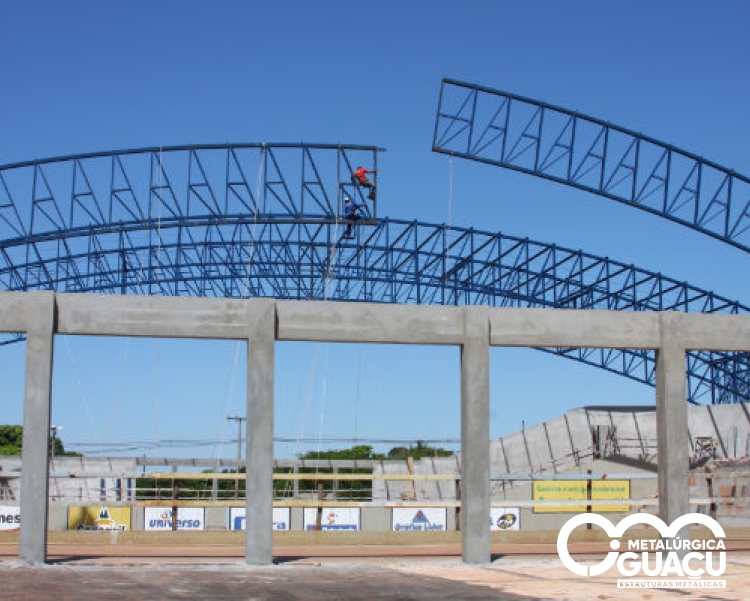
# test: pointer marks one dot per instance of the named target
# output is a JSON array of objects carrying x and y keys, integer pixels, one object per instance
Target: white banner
[
  {"x": 188, "y": 518},
  {"x": 281, "y": 520},
  {"x": 10, "y": 517},
  {"x": 333, "y": 518},
  {"x": 505, "y": 518},
  {"x": 419, "y": 518}
]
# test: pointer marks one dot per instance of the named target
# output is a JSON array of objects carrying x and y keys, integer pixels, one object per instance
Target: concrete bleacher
[{"x": 574, "y": 442}]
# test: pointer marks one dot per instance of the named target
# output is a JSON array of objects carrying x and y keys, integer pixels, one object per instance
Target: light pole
[
  {"x": 239, "y": 452},
  {"x": 54, "y": 430}
]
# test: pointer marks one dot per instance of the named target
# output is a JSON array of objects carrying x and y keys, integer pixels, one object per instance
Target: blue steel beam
[
  {"x": 547, "y": 141},
  {"x": 297, "y": 181},
  {"x": 264, "y": 220},
  {"x": 390, "y": 261}
]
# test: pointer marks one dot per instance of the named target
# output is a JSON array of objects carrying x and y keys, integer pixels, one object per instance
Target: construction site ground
[{"x": 317, "y": 566}]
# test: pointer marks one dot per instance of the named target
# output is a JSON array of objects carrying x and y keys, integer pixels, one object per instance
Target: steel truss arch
[
  {"x": 390, "y": 261},
  {"x": 297, "y": 181},
  {"x": 547, "y": 141}
]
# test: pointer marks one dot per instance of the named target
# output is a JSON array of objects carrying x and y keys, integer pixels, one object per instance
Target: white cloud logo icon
[{"x": 615, "y": 532}]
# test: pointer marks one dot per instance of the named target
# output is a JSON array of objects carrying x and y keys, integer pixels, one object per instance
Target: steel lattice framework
[
  {"x": 533, "y": 137},
  {"x": 264, "y": 220}
]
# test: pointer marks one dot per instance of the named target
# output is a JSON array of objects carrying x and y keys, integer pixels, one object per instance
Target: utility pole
[{"x": 239, "y": 452}]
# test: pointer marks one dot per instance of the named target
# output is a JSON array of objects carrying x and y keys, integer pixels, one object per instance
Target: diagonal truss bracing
[
  {"x": 297, "y": 181},
  {"x": 390, "y": 261},
  {"x": 533, "y": 137},
  {"x": 264, "y": 220}
]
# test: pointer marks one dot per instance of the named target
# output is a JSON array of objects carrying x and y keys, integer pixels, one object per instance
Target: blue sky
[{"x": 90, "y": 76}]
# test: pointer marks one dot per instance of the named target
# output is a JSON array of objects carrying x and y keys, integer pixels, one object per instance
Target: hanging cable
[
  {"x": 438, "y": 413},
  {"x": 84, "y": 395},
  {"x": 328, "y": 280},
  {"x": 156, "y": 395},
  {"x": 158, "y": 220},
  {"x": 359, "y": 382},
  {"x": 254, "y": 228},
  {"x": 220, "y": 439},
  {"x": 450, "y": 211},
  {"x": 120, "y": 386}
]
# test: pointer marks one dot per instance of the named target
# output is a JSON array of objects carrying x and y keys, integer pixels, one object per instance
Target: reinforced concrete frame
[{"x": 40, "y": 315}]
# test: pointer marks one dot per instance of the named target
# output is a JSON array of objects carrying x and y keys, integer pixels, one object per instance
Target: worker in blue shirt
[{"x": 352, "y": 212}]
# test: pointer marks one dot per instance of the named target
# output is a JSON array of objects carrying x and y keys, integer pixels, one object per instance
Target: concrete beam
[
  {"x": 575, "y": 328},
  {"x": 155, "y": 316},
  {"x": 475, "y": 437},
  {"x": 259, "y": 445},
  {"x": 14, "y": 308},
  {"x": 712, "y": 332},
  {"x": 368, "y": 322},
  {"x": 36, "y": 422}
]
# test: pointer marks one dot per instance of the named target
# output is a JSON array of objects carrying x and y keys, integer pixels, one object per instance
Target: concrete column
[
  {"x": 672, "y": 422},
  {"x": 40, "y": 310},
  {"x": 475, "y": 437},
  {"x": 259, "y": 424}
]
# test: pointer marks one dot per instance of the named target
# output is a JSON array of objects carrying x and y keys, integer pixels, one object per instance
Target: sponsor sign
[
  {"x": 10, "y": 517},
  {"x": 575, "y": 490},
  {"x": 281, "y": 520},
  {"x": 505, "y": 518},
  {"x": 98, "y": 518},
  {"x": 610, "y": 489},
  {"x": 419, "y": 518},
  {"x": 188, "y": 518},
  {"x": 668, "y": 562},
  {"x": 332, "y": 518}
]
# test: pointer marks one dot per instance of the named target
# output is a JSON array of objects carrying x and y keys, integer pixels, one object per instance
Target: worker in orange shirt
[{"x": 359, "y": 178}]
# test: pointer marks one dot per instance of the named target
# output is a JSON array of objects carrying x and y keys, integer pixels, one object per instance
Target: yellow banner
[
  {"x": 98, "y": 518},
  {"x": 575, "y": 490},
  {"x": 559, "y": 490},
  {"x": 610, "y": 489}
]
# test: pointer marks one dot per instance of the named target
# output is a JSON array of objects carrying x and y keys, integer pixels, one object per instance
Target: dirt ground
[{"x": 130, "y": 571}]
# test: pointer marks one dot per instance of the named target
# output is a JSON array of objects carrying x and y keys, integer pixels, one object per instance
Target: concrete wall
[{"x": 112, "y": 479}]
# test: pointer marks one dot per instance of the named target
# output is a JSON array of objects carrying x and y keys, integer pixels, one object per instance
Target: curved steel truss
[
  {"x": 533, "y": 137},
  {"x": 196, "y": 223},
  {"x": 297, "y": 181}
]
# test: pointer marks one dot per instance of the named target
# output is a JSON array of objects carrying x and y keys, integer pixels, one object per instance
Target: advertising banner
[
  {"x": 559, "y": 490},
  {"x": 10, "y": 517},
  {"x": 610, "y": 489},
  {"x": 281, "y": 519},
  {"x": 574, "y": 490},
  {"x": 160, "y": 518},
  {"x": 98, "y": 518},
  {"x": 505, "y": 518},
  {"x": 332, "y": 518},
  {"x": 419, "y": 518}
]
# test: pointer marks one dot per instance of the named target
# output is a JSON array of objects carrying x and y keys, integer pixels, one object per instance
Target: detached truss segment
[{"x": 526, "y": 135}]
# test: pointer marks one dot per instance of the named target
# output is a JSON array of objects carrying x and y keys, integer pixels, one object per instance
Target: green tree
[
  {"x": 363, "y": 451},
  {"x": 419, "y": 451},
  {"x": 11, "y": 442}
]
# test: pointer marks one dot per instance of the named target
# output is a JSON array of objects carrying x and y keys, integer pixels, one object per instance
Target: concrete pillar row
[
  {"x": 259, "y": 435},
  {"x": 41, "y": 314},
  {"x": 672, "y": 420},
  {"x": 475, "y": 437},
  {"x": 37, "y": 405}
]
